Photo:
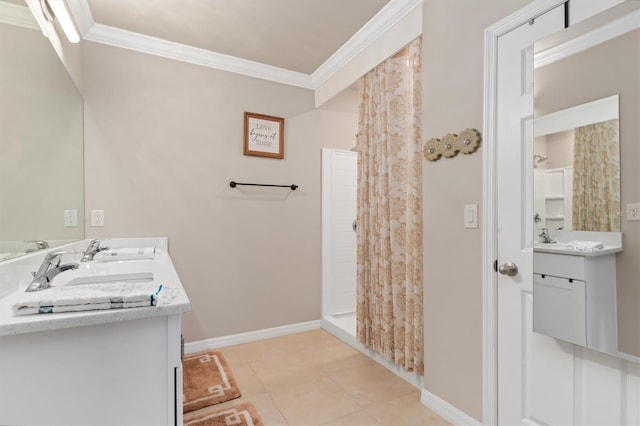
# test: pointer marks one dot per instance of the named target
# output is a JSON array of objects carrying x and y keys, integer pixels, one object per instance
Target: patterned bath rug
[
  {"x": 243, "y": 414},
  {"x": 207, "y": 381}
]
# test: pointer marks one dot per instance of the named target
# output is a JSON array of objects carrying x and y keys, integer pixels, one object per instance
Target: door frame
[{"x": 489, "y": 202}]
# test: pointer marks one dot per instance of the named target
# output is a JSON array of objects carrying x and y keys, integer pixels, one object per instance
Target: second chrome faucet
[{"x": 93, "y": 249}]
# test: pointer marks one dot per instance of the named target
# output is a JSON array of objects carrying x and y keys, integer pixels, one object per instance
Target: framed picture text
[{"x": 263, "y": 135}]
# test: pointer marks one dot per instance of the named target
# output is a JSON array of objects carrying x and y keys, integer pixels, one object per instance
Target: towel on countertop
[
  {"x": 585, "y": 245},
  {"x": 128, "y": 253},
  {"x": 89, "y": 297}
]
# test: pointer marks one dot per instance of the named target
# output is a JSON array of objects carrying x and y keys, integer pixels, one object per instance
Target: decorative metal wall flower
[{"x": 467, "y": 142}]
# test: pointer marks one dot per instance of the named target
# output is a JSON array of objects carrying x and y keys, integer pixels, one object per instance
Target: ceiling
[
  {"x": 296, "y": 35},
  {"x": 303, "y": 43}
]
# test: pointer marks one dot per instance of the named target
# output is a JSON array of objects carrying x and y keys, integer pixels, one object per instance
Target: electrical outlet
[
  {"x": 70, "y": 218},
  {"x": 633, "y": 211},
  {"x": 97, "y": 217}
]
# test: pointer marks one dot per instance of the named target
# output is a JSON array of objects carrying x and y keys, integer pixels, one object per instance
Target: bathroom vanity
[
  {"x": 574, "y": 293},
  {"x": 116, "y": 366}
]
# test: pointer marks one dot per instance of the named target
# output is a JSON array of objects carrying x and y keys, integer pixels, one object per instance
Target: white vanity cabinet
[
  {"x": 574, "y": 298},
  {"x": 119, "y": 373},
  {"x": 101, "y": 367}
]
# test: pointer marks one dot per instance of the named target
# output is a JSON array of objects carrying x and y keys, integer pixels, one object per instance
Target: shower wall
[{"x": 339, "y": 192}]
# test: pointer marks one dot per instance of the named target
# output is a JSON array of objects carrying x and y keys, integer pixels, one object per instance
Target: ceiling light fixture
[
  {"x": 57, "y": 10},
  {"x": 38, "y": 14}
]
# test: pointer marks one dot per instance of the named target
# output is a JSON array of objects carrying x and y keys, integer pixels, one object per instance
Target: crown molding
[
  {"x": 17, "y": 15},
  {"x": 181, "y": 52},
  {"x": 82, "y": 15},
  {"x": 613, "y": 29},
  {"x": 385, "y": 19},
  {"x": 388, "y": 16}
]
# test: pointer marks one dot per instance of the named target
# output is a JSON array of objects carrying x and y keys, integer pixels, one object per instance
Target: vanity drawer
[
  {"x": 559, "y": 308},
  {"x": 559, "y": 265}
]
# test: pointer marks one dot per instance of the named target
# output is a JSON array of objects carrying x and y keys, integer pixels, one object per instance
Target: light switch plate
[
  {"x": 97, "y": 217},
  {"x": 633, "y": 211},
  {"x": 470, "y": 215}
]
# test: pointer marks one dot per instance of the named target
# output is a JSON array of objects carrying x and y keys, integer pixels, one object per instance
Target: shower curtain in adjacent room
[
  {"x": 596, "y": 177},
  {"x": 389, "y": 275}
]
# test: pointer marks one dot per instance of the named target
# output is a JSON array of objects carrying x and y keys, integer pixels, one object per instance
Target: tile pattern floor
[{"x": 313, "y": 378}]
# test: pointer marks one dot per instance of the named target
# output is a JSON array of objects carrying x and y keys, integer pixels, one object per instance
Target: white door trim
[{"x": 489, "y": 197}]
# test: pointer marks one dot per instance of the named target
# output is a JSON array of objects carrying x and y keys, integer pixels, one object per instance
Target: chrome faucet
[
  {"x": 40, "y": 245},
  {"x": 545, "y": 237},
  {"x": 49, "y": 268},
  {"x": 93, "y": 249}
]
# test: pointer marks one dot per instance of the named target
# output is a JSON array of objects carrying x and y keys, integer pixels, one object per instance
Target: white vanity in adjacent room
[
  {"x": 574, "y": 290},
  {"x": 115, "y": 366}
]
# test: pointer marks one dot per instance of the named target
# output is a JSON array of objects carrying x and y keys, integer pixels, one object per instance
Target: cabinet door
[{"x": 559, "y": 308}]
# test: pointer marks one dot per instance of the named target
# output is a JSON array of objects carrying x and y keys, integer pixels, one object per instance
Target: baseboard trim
[
  {"x": 412, "y": 378},
  {"x": 446, "y": 410},
  {"x": 250, "y": 336}
]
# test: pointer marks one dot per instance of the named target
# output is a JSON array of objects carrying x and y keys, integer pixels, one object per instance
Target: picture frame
[{"x": 263, "y": 135}]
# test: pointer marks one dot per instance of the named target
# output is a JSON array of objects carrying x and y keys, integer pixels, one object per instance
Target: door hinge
[{"x": 495, "y": 265}]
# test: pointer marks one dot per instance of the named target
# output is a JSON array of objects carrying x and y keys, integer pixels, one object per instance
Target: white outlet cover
[
  {"x": 633, "y": 211},
  {"x": 70, "y": 218},
  {"x": 97, "y": 217}
]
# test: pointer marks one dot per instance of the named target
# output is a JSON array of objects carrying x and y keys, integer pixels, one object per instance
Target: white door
[
  {"x": 523, "y": 367},
  {"x": 339, "y": 193},
  {"x": 540, "y": 380}
]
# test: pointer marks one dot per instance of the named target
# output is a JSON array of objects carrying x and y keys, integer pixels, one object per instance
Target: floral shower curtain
[
  {"x": 389, "y": 234},
  {"x": 596, "y": 177}
]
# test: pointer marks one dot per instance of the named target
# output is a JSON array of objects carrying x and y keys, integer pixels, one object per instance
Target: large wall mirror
[
  {"x": 577, "y": 167},
  {"x": 41, "y": 145},
  {"x": 586, "y": 156}
]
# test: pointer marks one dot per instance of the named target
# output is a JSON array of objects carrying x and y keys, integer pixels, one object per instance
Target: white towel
[
  {"x": 88, "y": 297},
  {"x": 585, "y": 245},
  {"x": 128, "y": 253}
]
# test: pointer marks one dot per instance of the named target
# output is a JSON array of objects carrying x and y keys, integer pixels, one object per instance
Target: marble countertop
[{"x": 163, "y": 273}]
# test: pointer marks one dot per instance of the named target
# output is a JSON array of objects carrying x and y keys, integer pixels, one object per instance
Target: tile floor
[{"x": 313, "y": 378}]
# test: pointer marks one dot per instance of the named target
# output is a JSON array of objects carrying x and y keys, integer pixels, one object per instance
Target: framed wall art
[{"x": 263, "y": 135}]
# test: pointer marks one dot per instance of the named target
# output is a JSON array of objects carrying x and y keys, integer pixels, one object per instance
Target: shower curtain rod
[{"x": 233, "y": 184}]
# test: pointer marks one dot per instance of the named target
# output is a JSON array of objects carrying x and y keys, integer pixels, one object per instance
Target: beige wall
[
  {"x": 605, "y": 70},
  {"x": 560, "y": 150},
  {"x": 164, "y": 138},
  {"x": 453, "y": 63},
  {"x": 69, "y": 53}
]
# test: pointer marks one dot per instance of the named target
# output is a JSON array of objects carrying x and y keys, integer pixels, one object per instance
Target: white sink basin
[
  {"x": 555, "y": 245},
  {"x": 564, "y": 248},
  {"x": 137, "y": 277},
  {"x": 106, "y": 272}
]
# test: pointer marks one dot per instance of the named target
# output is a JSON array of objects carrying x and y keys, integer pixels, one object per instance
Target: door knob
[
  {"x": 354, "y": 225},
  {"x": 508, "y": 268}
]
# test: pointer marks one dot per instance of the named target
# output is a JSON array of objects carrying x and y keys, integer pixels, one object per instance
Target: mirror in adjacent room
[
  {"x": 577, "y": 167},
  {"x": 586, "y": 172},
  {"x": 41, "y": 147}
]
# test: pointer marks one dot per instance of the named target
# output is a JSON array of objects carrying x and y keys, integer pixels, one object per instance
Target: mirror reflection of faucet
[
  {"x": 39, "y": 245},
  {"x": 545, "y": 237}
]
